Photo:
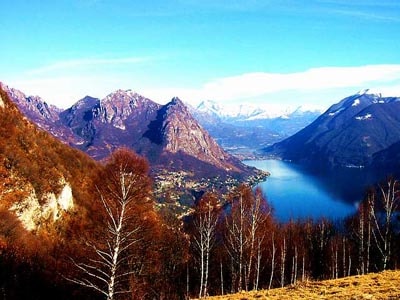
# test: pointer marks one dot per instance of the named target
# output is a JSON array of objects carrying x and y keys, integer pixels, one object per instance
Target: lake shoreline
[{"x": 296, "y": 192}]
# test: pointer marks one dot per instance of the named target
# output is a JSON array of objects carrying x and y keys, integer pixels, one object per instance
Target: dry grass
[{"x": 385, "y": 285}]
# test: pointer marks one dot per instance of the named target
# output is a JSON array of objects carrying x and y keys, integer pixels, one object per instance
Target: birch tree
[
  {"x": 205, "y": 224},
  {"x": 244, "y": 235},
  {"x": 382, "y": 210},
  {"x": 256, "y": 214},
  {"x": 361, "y": 230},
  {"x": 235, "y": 236},
  {"x": 123, "y": 191}
]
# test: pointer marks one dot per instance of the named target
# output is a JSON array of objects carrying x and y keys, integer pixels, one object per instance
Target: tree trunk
[{"x": 272, "y": 262}]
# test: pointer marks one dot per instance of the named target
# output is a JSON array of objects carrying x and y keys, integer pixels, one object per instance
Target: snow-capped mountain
[
  {"x": 243, "y": 129},
  {"x": 251, "y": 112},
  {"x": 357, "y": 131}
]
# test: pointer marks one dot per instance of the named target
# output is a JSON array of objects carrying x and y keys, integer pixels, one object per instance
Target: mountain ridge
[
  {"x": 167, "y": 135},
  {"x": 348, "y": 134}
]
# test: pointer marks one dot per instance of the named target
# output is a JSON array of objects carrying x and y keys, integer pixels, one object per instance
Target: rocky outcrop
[{"x": 33, "y": 214}]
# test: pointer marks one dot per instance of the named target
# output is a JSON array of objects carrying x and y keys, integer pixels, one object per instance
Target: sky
[{"x": 272, "y": 53}]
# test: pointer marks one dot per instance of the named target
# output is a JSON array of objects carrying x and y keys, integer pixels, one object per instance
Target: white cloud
[
  {"x": 256, "y": 84},
  {"x": 317, "y": 87},
  {"x": 310, "y": 83}
]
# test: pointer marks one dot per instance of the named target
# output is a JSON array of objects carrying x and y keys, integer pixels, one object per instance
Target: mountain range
[
  {"x": 244, "y": 129},
  {"x": 360, "y": 131},
  {"x": 167, "y": 135}
]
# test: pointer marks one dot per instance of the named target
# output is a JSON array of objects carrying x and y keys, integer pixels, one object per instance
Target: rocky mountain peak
[
  {"x": 33, "y": 107},
  {"x": 122, "y": 104},
  {"x": 183, "y": 134},
  {"x": 177, "y": 101}
]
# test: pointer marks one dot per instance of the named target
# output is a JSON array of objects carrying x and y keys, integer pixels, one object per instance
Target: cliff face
[{"x": 183, "y": 133}]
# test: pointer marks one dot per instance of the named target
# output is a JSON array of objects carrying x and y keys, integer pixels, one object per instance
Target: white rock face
[
  {"x": 65, "y": 199},
  {"x": 28, "y": 211},
  {"x": 32, "y": 214},
  {"x": 1, "y": 102}
]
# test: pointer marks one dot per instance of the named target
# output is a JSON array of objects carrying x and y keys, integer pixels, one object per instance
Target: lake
[{"x": 297, "y": 192}]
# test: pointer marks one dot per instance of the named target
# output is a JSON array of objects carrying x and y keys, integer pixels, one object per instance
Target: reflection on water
[{"x": 296, "y": 192}]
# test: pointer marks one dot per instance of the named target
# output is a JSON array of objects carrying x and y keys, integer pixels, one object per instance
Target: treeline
[
  {"x": 126, "y": 246},
  {"x": 240, "y": 246}
]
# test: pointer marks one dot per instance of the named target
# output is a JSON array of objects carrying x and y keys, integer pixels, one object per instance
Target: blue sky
[{"x": 277, "y": 53}]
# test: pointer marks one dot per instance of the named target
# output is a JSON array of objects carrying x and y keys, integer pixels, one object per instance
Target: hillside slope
[
  {"x": 46, "y": 207},
  {"x": 372, "y": 286},
  {"x": 41, "y": 177},
  {"x": 349, "y": 134}
]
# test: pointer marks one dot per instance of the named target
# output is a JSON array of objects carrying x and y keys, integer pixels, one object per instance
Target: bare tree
[
  {"x": 272, "y": 261},
  {"x": 283, "y": 261},
  {"x": 123, "y": 189},
  {"x": 256, "y": 214},
  {"x": 382, "y": 217},
  {"x": 235, "y": 237},
  {"x": 205, "y": 223},
  {"x": 363, "y": 232},
  {"x": 244, "y": 233}
]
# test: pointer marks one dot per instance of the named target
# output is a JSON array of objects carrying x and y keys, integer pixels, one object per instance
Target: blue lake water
[{"x": 296, "y": 192}]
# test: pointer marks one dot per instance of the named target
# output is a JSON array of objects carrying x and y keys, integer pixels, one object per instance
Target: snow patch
[
  {"x": 356, "y": 102},
  {"x": 336, "y": 112},
  {"x": 1, "y": 102},
  {"x": 365, "y": 117}
]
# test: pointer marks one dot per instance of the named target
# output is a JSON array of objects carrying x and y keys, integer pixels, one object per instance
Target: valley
[
  {"x": 177, "y": 150},
  {"x": 175, "y": 144}
]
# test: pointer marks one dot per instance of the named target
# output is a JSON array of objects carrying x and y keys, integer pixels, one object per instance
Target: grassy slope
[{"x": 385, "y": 285}]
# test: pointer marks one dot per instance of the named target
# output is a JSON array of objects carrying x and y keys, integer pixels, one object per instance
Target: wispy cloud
[
  {"x": 374, "y": 3},
  {"x": 371, "y": 10},
  {"x": 372, "y": 16},
  {"x": 86, "y": 62}
]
